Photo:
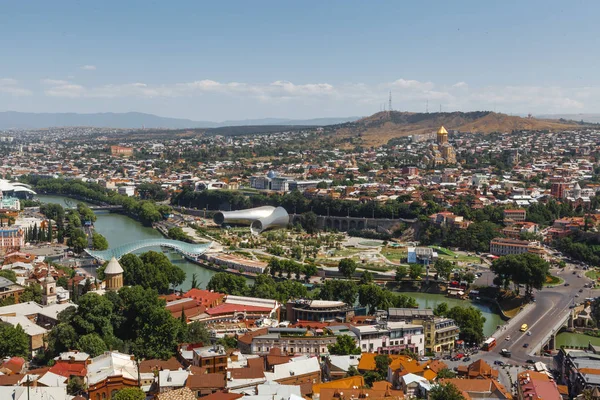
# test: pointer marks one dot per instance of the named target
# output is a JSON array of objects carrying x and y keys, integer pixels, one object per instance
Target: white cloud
[
  {"x": 54, "y": 82},
  {"x": 11, "y": 86},
  {"x": 67, "y": 90},
  {"x": 88, "y": 67},
  {"x": 408, "y": 94}
]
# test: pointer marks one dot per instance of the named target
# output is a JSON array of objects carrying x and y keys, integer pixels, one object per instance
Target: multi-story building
[
  {"x": 390, "y": 337},
  {"x": 536, "y": 385},
  {"x": 121, "y": 151},
  {"x": 8, "y": 288},
  {"x": 110, "y": 372},
  {"x": 213, "y": 358},
  {"x": 504, "y": 246},
  {"x": 293, "y": 341},
  {"x": 11, "y": 237},
  {"x": 517, "y": 215},
  {"x": 440, "y": 333},
  {"x": 318, "y": 310},
  {"x": 578, "y": 369},
  {"x": 559, "y": 189}
]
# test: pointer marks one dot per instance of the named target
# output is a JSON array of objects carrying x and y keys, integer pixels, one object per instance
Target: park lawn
[
  {"x": 443, "y": 250},
  {"x": 376, "y": 268},
  {"x": 593, "y": 274},
  {"x": 394, "y": 254},
  {"x": 553, "y": 280}
]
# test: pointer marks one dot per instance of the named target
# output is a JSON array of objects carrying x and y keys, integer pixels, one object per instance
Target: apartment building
[
  {"x": 293, "y": 341},
  {"x": 390, "y": 337},
  {"x": 517, "y": 215},
  {"x": 440, "y": 334},
  {"x": 213, "y": 358},
  {"x": 505, "y": 246}
]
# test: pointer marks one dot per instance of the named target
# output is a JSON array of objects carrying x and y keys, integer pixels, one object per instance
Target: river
[
  {"x": 430, "y": 300},
  {"x": 120, "y": 229},
  {"x": 575, "y": 339}
]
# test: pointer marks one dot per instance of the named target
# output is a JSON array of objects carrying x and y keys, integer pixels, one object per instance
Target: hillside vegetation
[{"x": 379, "y": 128}]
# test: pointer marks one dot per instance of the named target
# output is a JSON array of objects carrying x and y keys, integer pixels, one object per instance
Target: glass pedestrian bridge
[{"x": 192, "y": 250}]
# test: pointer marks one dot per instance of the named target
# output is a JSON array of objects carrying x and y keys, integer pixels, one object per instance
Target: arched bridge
[{"x": 189, "y": 249}]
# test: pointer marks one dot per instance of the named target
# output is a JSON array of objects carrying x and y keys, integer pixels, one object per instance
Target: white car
[
  {"x": 507, "y": 338},
  {"x": 528, "y": 333}
]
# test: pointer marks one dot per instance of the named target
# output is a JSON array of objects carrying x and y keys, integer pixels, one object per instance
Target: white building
[
  {"x": 126, "y": 190},
  {"x": 390, "y": 337}
]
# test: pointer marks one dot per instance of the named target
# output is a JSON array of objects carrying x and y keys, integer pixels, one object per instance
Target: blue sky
[{"x": 252, "y": 59}]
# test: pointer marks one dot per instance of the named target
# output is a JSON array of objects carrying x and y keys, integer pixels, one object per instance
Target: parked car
[
  {"x": 530, "y": 361},
  {"x": 526, "y": 345}
]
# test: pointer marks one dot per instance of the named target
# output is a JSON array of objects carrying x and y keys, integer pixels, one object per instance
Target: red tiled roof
[
  {"x": 205, "y": 297},
  {"x": 67, "y": 370},
  {"x": 212, "y": 381},
  {"x": 223, "y": 396},
  {"x": 149, "y": 365},
  {"x": 15, "y": 364}
]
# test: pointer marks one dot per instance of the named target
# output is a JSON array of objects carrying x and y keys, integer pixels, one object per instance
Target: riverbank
[{"x": 119, "y": 229}]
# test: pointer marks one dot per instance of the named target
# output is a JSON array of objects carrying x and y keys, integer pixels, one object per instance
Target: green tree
[
  {"x": 77, "y": 240},
  {"x": 13, "y": 341},
  {"x": 197, "y": 333},
  {"x": 416, "y": 270},
  {"x": 527, "y": 269},
  {"x": 445, "y": 391},
  {"x": 441, "y": 309},
  {"x": 228, "y": 342},
  {"x": 130, "y": 393},
  {"x": 61, "y": 338},
  {"x": 33, "y": 292},
  {"x": 470, "y": 320},
  {"x": 443, "y": 268},
  {"x": 99, "y": 242},
  {"x": 176, "y": 233},
  {"x": 446, "y": 373},
  {"x": 347, "y": 267},
  {"x": 309, "y": 222},
  {"x": 401, "y": 272},
  {"x": 8, "y": 274},
  {"x": 93, "y": 315},
  {"x": 344, "y": 345},
  {"x": 223, "y": 282},
  {"x": 194, "y": 284},
  {"x": 92, "y": 344},
  {"x": 76, "y": 386},
  {"x": 340, "y": 290},
  {"x": 366, "y": 278}
]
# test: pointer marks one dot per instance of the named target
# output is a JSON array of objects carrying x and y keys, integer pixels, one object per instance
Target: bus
[
  {"x": 489, "y": 344},
  {"x": 523, "y": 328}
]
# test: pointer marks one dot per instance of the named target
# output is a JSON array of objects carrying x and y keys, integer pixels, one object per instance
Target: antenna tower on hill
[{"x": 390, "y": 102}]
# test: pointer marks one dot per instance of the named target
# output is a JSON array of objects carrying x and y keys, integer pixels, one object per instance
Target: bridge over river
[{"x": 192, "y": 250}]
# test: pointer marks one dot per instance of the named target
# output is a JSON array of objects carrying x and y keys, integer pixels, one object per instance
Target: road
[{"x": 552, "y": 303}]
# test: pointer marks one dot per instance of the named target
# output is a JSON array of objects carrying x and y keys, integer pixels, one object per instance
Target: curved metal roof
[{"x": 190, "y": 249}]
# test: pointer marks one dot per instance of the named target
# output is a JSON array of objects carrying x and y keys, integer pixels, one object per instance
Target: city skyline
[{"x": 211, "y": 62}]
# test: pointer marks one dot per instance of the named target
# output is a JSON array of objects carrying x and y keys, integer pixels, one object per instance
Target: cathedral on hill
[{"x": 443, "y": 152}]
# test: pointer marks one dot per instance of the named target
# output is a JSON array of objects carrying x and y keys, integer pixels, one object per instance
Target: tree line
[{"x": 145, "y": 210}]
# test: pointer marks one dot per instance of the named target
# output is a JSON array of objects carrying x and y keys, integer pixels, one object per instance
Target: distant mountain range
[{"x": 132, "y": 120}]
